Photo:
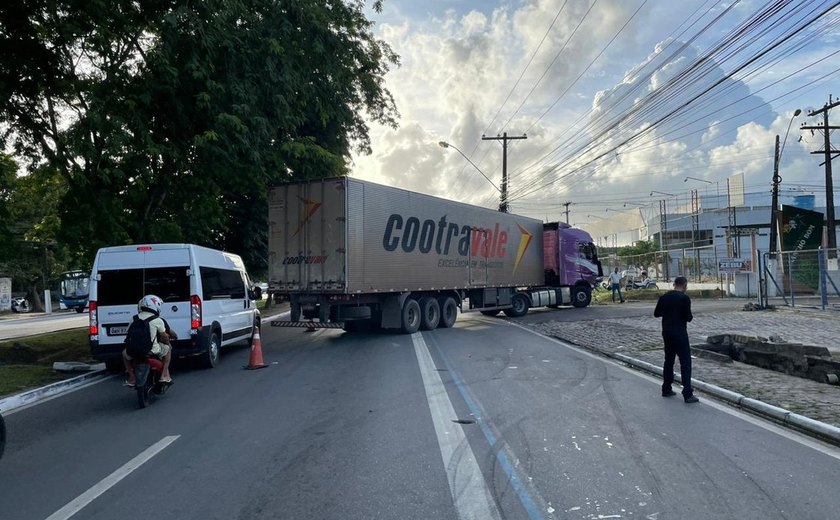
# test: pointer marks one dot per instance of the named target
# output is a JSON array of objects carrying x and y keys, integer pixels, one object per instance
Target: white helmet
[{"x": 150, "y": 303}]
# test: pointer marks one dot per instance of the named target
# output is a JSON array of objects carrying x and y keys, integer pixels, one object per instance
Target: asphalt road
[
  {"x": 360, "y": 426},
  {"x": 31, "y": 324}
]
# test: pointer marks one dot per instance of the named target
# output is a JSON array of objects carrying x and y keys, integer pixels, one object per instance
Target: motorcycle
[
  {"x": 647, "y": 283},
  {"x": 20, "y": 304},
  {"x": 148, "y": 385}
]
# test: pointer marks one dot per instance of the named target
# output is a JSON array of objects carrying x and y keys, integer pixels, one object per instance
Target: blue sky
[{"x": 601, "y": 72}]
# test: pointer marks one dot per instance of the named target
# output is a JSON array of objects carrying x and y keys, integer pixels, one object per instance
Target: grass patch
[
  {"x": 27, "y": 362},
  {"x": 17, "y": 378}
]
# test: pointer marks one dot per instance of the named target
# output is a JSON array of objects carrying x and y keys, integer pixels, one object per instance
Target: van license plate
[{"x": 118, "y": 331}]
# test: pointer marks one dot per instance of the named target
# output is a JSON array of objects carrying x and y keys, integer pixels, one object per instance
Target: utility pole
[
  {"x": 774, "y": 210},
  {"x": 829, "y": 187},
  {"x": 663, "y": 231},
  {"x": 695, "y": 229},
  {"x": 504, "y": 138},
  {"x": 567, "y": 204}
]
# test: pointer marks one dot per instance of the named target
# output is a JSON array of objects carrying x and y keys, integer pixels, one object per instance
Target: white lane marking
[
  {"x": 111, "y": 480},
  {"x": 470, "y": 493},
  {"x": 814, "y": 444}
]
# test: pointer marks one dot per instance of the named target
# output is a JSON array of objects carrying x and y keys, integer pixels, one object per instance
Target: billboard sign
[{"x": 802, "y": 229}]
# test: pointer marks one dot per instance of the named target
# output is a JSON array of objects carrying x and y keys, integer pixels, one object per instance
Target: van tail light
[
  {"x": 94, "y": 320},
  {"x": 195, "y": 312}
]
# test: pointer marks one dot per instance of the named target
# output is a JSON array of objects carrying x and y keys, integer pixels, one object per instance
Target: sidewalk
[{"x": 640, "y": 338}]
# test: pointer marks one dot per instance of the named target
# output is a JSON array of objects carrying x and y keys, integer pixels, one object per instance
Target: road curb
[
  {"x": 807, "y": 425},
  {"x": 13, "y": 402}
]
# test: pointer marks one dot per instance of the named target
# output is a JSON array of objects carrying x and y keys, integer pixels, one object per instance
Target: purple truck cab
[{"x": 569, "y": 256}]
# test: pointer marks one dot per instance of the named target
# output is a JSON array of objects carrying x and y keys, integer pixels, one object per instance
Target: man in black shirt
[{"x": 674, "y": 307}]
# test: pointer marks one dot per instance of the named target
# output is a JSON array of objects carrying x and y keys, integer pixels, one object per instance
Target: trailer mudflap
[{"x": 308, "y": 324}]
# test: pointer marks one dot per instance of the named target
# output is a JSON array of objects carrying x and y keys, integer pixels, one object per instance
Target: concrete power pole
[
  {"x": 567, "y": 204},
  {"x": 774, "y": 210},
  {"x": 829, "y": 185},
  {"x": 503, "y": 205}
]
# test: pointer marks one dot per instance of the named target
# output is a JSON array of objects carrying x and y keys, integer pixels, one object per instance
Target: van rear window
[{"x": 128, "y": 286}]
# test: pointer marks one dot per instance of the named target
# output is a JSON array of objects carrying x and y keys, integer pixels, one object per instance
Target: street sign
[{"x": 733, "y": 265}]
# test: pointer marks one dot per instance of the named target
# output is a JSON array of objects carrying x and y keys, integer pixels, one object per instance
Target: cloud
[{"x": 458, "y": 68}]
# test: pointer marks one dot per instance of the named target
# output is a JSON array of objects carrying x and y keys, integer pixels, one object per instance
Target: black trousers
[{"x": 676, "y": 345}]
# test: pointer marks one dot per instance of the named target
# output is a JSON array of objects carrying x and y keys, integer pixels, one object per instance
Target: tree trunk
[{"x": 35, "y": 299}]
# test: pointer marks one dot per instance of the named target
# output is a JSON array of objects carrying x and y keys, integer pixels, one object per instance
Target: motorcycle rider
[{"x": 150, "y": 305}]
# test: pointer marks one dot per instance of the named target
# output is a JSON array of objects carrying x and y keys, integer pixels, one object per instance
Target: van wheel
[
  {"x": 80, "y": 309},
  {"x": 210, "y": 358},
  {"x": 519, "y": 307},
  {"x": 448, "y": 312},
  {"x": 430, "y": 313},
  {"x": 581, "y": 296},
  {"x": 410, "y": 316}
]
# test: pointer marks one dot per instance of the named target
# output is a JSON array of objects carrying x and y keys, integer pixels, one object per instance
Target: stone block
[
  {"x": 700, "y": 352},
  {"x": 787, "y": 349},
  {"x": 719, "y": 339},
  {"x": 819, "y": 368}
]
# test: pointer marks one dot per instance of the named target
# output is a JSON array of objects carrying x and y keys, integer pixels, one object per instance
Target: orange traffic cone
[{"x": 256, "y": 360}]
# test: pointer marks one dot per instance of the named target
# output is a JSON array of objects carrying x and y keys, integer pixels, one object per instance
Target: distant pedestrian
[
  {"x": 615, "y": 283},
  {"x": 674, "y": 307}
]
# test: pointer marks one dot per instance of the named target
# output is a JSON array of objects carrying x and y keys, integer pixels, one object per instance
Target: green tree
[
  {"x": 168, "y": 120},
  {"x": 643, "y": 253},
  {"x": 29, "y": 253}
]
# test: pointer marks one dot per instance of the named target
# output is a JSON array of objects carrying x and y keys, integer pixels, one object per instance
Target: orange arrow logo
[
  {"x": 307, "y": 210},
  {"x": 524, "y": 242}
]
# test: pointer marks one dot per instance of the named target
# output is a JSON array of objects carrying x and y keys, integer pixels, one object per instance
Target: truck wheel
[
  {"x": 520, "y": 306},
  {"x": 350, "y": 326},
  {"x": 490, "y": 313},
  {"x": 411, "y": 316},
  {"x": 581, "y": 296},
  {"x": 448, "y": 312},
  {"x": 210, "y": 358},
  {"x": 430, "y": 313}
]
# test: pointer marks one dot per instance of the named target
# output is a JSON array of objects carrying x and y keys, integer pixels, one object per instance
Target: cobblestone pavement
[{"x": 640, "y": 338}]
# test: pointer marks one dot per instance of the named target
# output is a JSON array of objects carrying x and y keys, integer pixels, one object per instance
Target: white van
[{"x": 207, "y": 295}]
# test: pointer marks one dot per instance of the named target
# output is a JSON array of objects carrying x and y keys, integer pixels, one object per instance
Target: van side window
[
  {"x": 127, "y": 286},
  {"x": 221, "y": 284}
]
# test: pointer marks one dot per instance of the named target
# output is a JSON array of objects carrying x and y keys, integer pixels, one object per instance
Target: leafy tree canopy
[{"x": 167, "y": 120}]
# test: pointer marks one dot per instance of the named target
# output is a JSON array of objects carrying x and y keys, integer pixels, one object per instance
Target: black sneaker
[
  {"x": 669, "y": 393},
  {"x": 691, "y": 399}
]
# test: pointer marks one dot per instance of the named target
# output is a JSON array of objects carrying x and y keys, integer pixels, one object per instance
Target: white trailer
[{"x": 350, "y": 253}]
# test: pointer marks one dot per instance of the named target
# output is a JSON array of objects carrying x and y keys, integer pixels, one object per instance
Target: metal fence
[
  {"x": 801, "y": 279},
  {"x": 698, "y": 264}
]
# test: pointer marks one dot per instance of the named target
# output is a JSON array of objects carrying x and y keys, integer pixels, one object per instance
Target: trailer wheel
[
  {"x": 429, "y": 313},
  {"x": 490, "y": 313},
  {"x": 411, "y": 316},
  {"x": 520, "y": 305},
  {"x": 448, "y": 312},
  {"x": 581, "y": 296}
]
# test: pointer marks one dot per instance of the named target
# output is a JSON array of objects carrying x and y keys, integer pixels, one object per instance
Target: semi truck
[{"x": 355, "y": 254}]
